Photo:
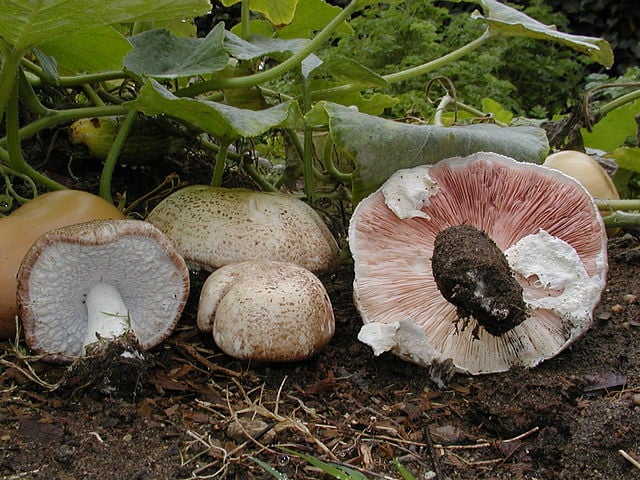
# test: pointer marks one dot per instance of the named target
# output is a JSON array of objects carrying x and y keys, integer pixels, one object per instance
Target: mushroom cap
[
  {"x": 212, "y": 227},
  {"x": 544, "y": 221},
  {"x": 266, "y": 311},
  {"x": 26, "y": 223},
  {"x": 64, "y": 264}
]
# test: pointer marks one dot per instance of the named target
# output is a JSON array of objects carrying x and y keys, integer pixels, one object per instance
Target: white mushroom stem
[{"x": 107, "y": 314}]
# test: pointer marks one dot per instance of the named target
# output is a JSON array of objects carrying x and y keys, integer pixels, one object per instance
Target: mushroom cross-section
[
  {"x": 212, "y": 227},
  {"x": 266, "y": 311},
  {"x": 482, "y": 260},
  {"x": 100, "y": 279}
]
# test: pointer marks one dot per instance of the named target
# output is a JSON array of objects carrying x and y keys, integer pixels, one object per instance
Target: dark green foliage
[{"x": 529, "y": 77}]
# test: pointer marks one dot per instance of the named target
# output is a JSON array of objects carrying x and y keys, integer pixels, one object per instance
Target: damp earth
[{"x": 184, "y": 410}]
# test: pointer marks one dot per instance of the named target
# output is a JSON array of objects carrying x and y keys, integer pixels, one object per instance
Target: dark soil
[{"x": 187, "y": 411}]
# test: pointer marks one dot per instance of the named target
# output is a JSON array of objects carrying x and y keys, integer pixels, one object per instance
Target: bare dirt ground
[{"x": 188, "y": 411}]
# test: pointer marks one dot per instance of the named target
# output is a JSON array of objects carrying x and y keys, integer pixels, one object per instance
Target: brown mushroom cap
[
  {"x": 127, "y": 265},
  {"x": 266, "y": 311},
  {"x": 212, "y": 227},
  {"x": 545, "y": 223}
]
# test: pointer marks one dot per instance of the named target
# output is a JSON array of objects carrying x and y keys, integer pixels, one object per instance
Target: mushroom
[
  {"x": 212, "y": 227},
  {"x": 24, "y": 225},
  {"x": 481, "y": 261},
  {"x": 266, "y": 311},
  {"x": 100, "y": 280}
]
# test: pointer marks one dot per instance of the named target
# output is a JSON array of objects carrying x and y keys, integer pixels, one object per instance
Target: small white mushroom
[
  {"x": 266, "y": 311},
  {"x": 100, "y": 280},
  {"x": 212, "y": 227}
]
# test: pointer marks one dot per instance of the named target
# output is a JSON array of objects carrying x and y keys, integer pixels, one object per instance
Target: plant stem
[
  {"x": 244, "y": 19},
  {"x": 247, "y": 81},
  {"x": 16, "y": 160},
  {"x": 8, "y": 74},
  {"x": 615, "y": 205},
  {"x": 622, "y": 219},
  {"x": 333, "y": 171},
  {"x": 59, "y": 116},
  {"x": 114, "y": 153},
  {"x": 307, "y": 151},
  {"x": 75, "y": 80},
  {"x": 618, "y": 102},
  {"x": 414, "y": 71},
  {"x": 221, "y": 160}
]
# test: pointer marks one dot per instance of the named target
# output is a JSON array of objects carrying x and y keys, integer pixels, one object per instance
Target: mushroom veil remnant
[
  {"x": 100, "y": 280},
  {"x": 483, "y": 261}
]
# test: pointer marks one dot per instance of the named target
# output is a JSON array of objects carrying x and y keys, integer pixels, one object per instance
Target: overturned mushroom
[
  {"x": 25, "y": 224},
  {"x": 266, "y": 311},
  {"x": 100, "y": 280},
  {"x": 212, "y": 227},
  {"x": 483, "y": 261}
]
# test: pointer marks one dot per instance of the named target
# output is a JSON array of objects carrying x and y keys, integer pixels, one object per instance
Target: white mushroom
[
  {"x": 424, "y": 291},
  {"x": 266, "y": 311},
  {"x": 100, "y": 279},
  {"x": 212, "y": 227}
]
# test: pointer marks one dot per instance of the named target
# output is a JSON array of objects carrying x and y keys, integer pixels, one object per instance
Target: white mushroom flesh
[
  {"x": 394, "y": 282},
  {"x": 107, "y": 314}
]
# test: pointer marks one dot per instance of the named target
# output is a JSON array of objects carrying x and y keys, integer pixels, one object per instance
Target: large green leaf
[
  {"x": 96, "y": 50},
  {"x": 258, "y": 46},
  {"x": 382, "y": 146},
  {"x": 222, "y": 121},
  {"x": 27, "y": 23},
  {"x": 613, "y": 129},
  {"x": 310, "y": 17},
  {"x": 278, "y": 12},
  {"x": 506, "y": 20},
  {"x": 160, "y": 54}
]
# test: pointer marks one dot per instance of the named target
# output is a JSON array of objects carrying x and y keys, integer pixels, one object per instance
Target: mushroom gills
[
  {"x": 473, "y": 274},
  {"x": 107, "y": 314}
]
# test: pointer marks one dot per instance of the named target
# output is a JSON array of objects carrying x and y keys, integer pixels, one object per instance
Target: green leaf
[
  {"x": 97, "y": 50},
  {"x": 269, "y": 469},
  {"x": 627, "y": 158},
  {"x": 26, "y": 23},
  {"x": 383, "y": 146},
  {"x": 278, "y": 12},
  {"x": 310, "y": 17},
  {"x": 160, "y": 54},
  {"x": 614, "y": 129},
  {"x": 505, "y": 20},
  {"x": 350, "y": 71},
  {"x": 256, "y": 27},
  {"x": 222, "y": 121},
  {"x": 496, "y": 110},
  {"x": 258, "y": 46}
]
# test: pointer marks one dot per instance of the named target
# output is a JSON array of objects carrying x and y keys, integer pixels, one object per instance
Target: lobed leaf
[
  {"x": 222, "y": 121},
  {"x": 506, "y": 20},
  {"x": 382, "y": 146},
  {"x": 27, "y": 23}
]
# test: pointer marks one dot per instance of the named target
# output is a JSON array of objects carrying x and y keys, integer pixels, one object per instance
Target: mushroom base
[
  {"x": 473, "y": 274},
  {"x": 117, "y": 368}
]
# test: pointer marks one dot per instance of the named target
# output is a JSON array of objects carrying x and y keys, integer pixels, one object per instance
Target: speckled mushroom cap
[
  {"x": 545, "y": 223},
  {"x": 64, "y": 265},
  {"x": 212, "y": 227},
  {"x": 266, "y": 311}
]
